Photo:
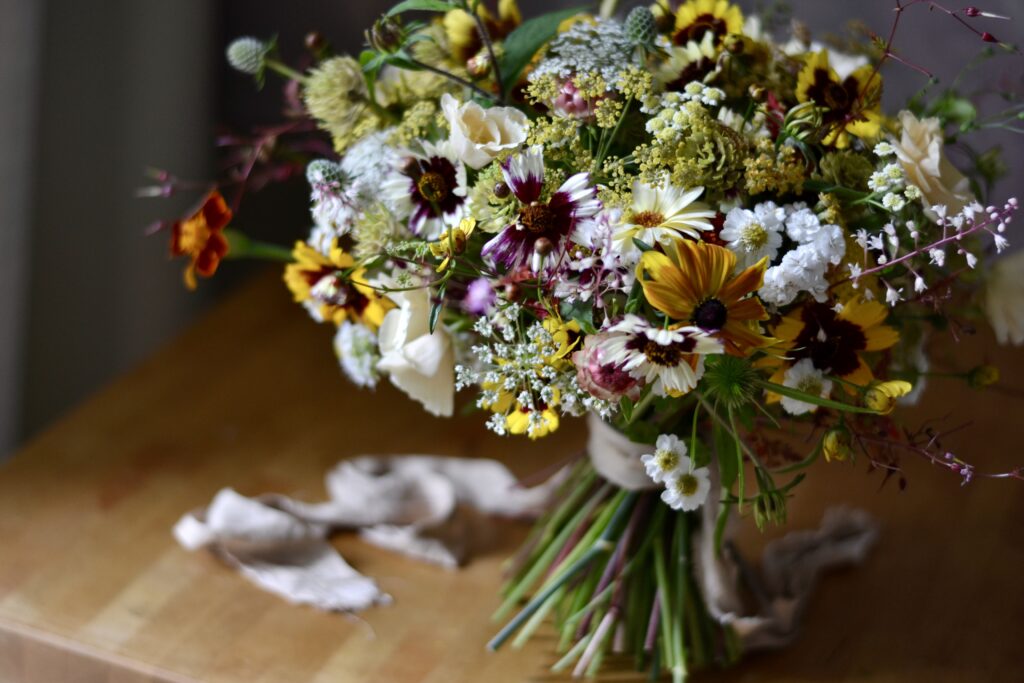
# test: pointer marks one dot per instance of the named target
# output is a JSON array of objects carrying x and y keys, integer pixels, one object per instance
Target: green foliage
[
  {"x": 523, "y": 43},
  {"x": 421, "y": 5}
]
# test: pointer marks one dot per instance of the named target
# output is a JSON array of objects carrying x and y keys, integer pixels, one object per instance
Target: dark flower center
[
  {"x": 432, "y": 186},
  {"x": 838, "y": 98},
  {"x": 832, "y": 344},
  {"x": 331, "y": 288},
  {"x": 648, "y": 219},
  {"x": 659, "y": 354},
  {"x": 538, "y": 218},
  {"x": 710, "y": 315},
  {"x": 705, "y": 23}
]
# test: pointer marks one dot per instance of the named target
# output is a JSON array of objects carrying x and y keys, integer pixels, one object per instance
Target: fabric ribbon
[{"x": 411, "y": 504}]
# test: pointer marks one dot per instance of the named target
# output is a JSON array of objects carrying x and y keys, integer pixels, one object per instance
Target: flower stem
[
  {"x": 285, "y": 70},
  {"x": 452, "y": 77}
]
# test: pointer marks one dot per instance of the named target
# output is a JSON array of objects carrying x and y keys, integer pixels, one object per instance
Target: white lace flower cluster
[
  {"x": 686, "y": 486},
  {"x": 891, "y": 182},
  {"x": 597, "y": 266},
  {"x": 520, "y": 366},
  {"x": 599, "y": 47},
  {"x": 803, "y": 268}
]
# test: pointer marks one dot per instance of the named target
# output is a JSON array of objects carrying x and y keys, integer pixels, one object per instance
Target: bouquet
[{"x": 699, "y": 230}]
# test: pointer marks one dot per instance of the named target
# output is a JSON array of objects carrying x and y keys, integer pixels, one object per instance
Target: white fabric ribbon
[
  {"x": 615, "y": 457},
  {"x": 409, "y": 504}
]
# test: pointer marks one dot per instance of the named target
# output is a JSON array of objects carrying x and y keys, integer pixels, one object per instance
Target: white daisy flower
[
  {"x": 429, "y": 188},
  {"x": 803, "y": 376},
  {"x": 671, "y": 361},
  {"x": 688, "y": 488},
  {"x": 668, "y": 455},
  {"x": 661, "y": 214},
  {"x": 356, "y": 348},
  {"x": 752, "y": 235}
]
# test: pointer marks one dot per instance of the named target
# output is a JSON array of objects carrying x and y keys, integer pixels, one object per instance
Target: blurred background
[{"x": 92, "y": 93}]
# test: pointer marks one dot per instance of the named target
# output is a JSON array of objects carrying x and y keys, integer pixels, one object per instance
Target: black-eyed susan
[
  {"x": 833, "y": 341},
  {"x": 694, "y": 283},
  {"x": 851, "y": 105},
  {"x": 696, "y": 18},
  {"x": 333, "y": 288}
]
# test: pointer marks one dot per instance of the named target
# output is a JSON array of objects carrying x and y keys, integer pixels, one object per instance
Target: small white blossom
[
  {"x": 884, "y": 149},
  {"x": 356, "y": 348},
  {"x": 667, "y": 458},
  {"x": 688, "y": 488}
]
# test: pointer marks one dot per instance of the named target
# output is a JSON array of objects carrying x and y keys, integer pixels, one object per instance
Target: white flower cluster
[
  {"x": 686, "y": 486},
  {"x": 669, "y": 123},
  {"x": 752, "y": 235},
  {"x": 803, "y": 268},
  {"x": 356, "y": 348},
  {"x": 599, "y": 267},
  {"x": 598, "y": 47},
  {"x": 891, "y": 182}
]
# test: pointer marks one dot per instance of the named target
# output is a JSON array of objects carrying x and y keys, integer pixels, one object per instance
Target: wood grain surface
[{"x": 93, "y": 587}]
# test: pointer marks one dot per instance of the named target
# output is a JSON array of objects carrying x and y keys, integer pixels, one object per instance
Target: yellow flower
[
  {"x": 693, "y": 283},
  {"x": 697, "y": 18},
  {"x": 833, "y": 341},
  {"x": 201, "y": 238},
  {"x": 882, "y": 397},
  {"x": 461, "y": 30},
  {"x": 852, "y": 105},
  {"x": 836, "y": 444},
  {"x": 452, "y": 242},
  {"x": 523, "y": 421},
  {"x": 566, "y": 334},
  {"x": 335, "y": 287}
]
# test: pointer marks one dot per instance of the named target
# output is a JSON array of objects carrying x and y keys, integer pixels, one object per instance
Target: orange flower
[
  {"x": 693, "y": 282},
  {"x": 200, "y": 237}
]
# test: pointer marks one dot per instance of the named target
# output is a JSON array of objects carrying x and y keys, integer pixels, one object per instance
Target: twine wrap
[{"x": 615, "y": 457}]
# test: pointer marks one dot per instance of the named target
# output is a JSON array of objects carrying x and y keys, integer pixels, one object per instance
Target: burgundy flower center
[
  {"x": 710, "y": 315},
  {"x": 838, "y": 98},
  {"x": 432, "y": 186},
  {"x": 665, "y": 356},
  {"x": 705, "y": 23},
  {"x": 831, "y": 343},
  {"x": 648, "y": 219},
  {"x": 538, "y": 218}
]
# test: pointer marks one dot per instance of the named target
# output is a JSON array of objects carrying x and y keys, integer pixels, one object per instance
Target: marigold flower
[
  {"x": 693, "y": 282},
  {"x": 201, "y": 238}
]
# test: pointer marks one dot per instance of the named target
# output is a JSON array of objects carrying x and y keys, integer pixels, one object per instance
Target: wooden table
[{"x": 93, "y": 588}]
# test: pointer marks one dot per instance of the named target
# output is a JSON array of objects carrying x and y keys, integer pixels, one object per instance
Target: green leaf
[
  {"x": 582, "y": 313},
  {"x": 814, "y": 400},
  {"x": 522, "y": 44},
  {"x": 725, "y": 449},
  {"x": 422, "y": 5},
  {"x": 641, "y": 245},
  {"x": 435, "y": 309},
  {"x": 626, "y": 408}
]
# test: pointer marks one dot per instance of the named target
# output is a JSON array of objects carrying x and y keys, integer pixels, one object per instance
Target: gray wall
[{"x": 92, "y": 92}]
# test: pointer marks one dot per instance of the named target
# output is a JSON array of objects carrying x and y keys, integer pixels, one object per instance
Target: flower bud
[
  {"x": 248, "y": 55},
  {"x": 836, "y": 444},
  {"x": 315, "y": 41},
  {"x": 882, "y": 397},
  {"x": 513, "y": 291},
  {"x": 479, "y": 65},
  {"x": 641, "y": 26},
  {"x": 735, "y": 44},
  {"x": 502, "y": 190},
  {"x": 543, "y": 246},
  {"x": 386, "y": 34},
  {"x": 983, "y": 376},
  {"x": 758, "y": 93},
  {"x": 770, "y": 507}
]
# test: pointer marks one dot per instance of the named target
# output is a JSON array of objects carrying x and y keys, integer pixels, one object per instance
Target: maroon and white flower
[
  {"x": 428, "y": 188},
  {"x": 541, "y": 226}
]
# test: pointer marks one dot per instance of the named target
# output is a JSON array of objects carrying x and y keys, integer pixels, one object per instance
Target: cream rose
[
  {"x": 419, "y": 363},
  {"x": 919, "y": 151},
  {"x": 1004, "y": 298},
  {"x": 479, "y": 135}
]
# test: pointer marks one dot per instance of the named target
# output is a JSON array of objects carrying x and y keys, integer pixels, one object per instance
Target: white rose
[
  {"x": 919, "y": 151},
  {"x": 479, "y": 135},
  {"x": 1004, "y": 298},
  {"x": 419, "y": 363}
]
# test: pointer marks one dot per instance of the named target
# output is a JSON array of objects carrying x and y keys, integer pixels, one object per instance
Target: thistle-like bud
[
  {"x": 248, "y": 55},
  {"x": 641, "y": 26},
  {"x": 386, "y": 34},
  {"x": 983, "y": 376}
]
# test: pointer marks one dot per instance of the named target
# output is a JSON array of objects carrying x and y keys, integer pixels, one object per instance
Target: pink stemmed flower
[{"x": 541, "y": 226}]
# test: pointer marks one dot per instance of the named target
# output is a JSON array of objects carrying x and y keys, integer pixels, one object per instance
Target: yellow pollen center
[
  {"x": 432, "y": 186},
  {"x": 537, "y": 218},
  {"x": 686, "y": 484},
  {"x": 666, "y": 460},
  {"x": 648, "y": 219},
  {"x": 665, "y": 356},
  {"x": 755, "y": 236}
]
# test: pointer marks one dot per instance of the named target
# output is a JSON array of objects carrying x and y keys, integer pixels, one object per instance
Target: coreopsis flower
[
  {"x": 667, "y": 459},
  {"x": 1004, "y": 298},
  {"x": 553, "y": 219},
  {"x": 920, "y": 154},
  {"x": 332, "y": 287},
  {"x": 851, "y": 104},
  {"x": 756, "y": 234},
  {"x": 882, "y": 397},
  {"x": 690, "y": 62},
  {"x": 535, "y": 421},
  {"x": 463, "y": 35},
  {"x": 429, "y": 188},
  {"x": 659, "y": 215},
  {"x": 671, "y": 361},
  {"x": 600, "y": 378},
  {"x": 688, "y": 488},
  {"x": 478, "y": 135},
  {"x": 695, "y": 284},
  {"x": 452, "y": 242},
  {"x": 355, "y": 346},
  {"x": 419, "y": 362},
  {"x": 803, "y": 376},
  {"x": 696, "y": 18},
  {"x": 833, "y": 341},
  {"x": 201, "y": 238}
]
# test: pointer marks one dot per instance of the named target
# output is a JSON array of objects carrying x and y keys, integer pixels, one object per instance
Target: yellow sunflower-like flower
[
  {"x": 851, "y": 104},
  {"x": 696, "y": 18},
  {"x": 461, "y": 30},
  {"x": 333, "y": 288},
  {"x": 694, "y": 283},
  {"x": 834, "y": 341}
]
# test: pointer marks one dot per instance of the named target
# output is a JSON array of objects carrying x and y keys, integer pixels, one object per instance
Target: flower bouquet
[{"x": 704, "y": 235}]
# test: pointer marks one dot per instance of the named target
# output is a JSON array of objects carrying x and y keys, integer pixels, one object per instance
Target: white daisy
[
  {"x": 688, "y": 488},
  {"x": 668, "y": 455},
  {"x": 671, "y": 361},
  {"x": 803, "y": 376},
  {"x": 429, "y": 188},
  {"x": 755, "y": 234},
  {"x": 356, "y": 348},
  {"x": 661, "y": 214}
]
